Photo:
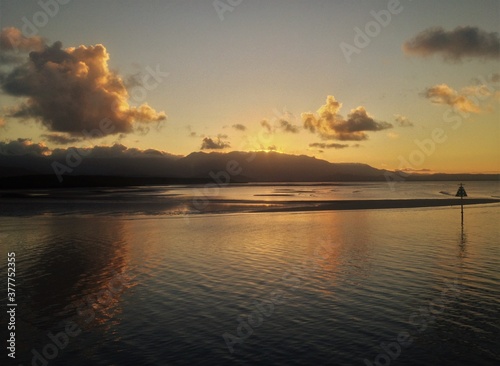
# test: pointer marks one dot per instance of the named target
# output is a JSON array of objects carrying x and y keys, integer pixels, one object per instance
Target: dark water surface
[{"x": 316, "y": 288}]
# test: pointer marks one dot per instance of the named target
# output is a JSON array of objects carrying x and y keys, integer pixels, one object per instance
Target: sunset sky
[{"x": 346, "y": 81}]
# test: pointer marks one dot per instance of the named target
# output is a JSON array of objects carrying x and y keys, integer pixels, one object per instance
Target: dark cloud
[
  {"x": 323, "y": 145},
  {"x": 265, "y": 124},
  {"x": 288, "y": 127},
  {"x": 402, "y": 121},
  {"x": 60, "y": 139},
  {"x": 72, "y": 90},
  {"x": 330, "y": 125},
  {"x": 23, "y": 146},
  {"x": 455, "y": 45},
  {"x": 209, "y": 144},
  {"x": 239, "y": 127}
]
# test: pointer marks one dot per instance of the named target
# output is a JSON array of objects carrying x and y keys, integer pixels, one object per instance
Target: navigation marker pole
[{"x": 461, "y": 193}]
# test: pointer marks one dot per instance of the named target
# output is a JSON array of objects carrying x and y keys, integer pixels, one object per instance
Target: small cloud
[
  {"x": 330, "y": 125},
  {"x": 402, "y": 121},
  {"x": 410, "y": 170},
  {"x": 239, "y": 127},
  {"x": 465, "y": 101},
  {"x": 12, "y": 39},
  {"x": 60, "y": 139},
  {"x": 392, "y": 135},
  {"x": 288, "y": 127},
  {"x": 272, "y": 148},
  {"x": 455, "y": 45},
  {"x": 191, "y": 132},
  {"x": 323, "y": 145},
  {"x": 265, "y": 124},
  {"x": 209, "y": 144}
]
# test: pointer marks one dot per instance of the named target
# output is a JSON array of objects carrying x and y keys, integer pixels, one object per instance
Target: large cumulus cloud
[
  {"x": 70, "y": 90},
  {"x": 330, "y": 125}
]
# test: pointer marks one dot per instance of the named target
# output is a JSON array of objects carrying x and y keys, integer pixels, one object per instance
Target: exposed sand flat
[{"x": 372, "y": 204}]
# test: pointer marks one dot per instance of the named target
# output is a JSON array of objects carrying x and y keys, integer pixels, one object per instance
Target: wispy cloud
[
  {"x": 330, "y": 125},
  {"x": 402, "y": 121},
  {"x": 466, "y": 100},
  {"x": 239, "y": 127},
  {"x": 60, "y": 139},
  {"x": 12, "y": 39},
  {"x": 455, "y": 45},
  {"x": 322, "y": 145},
  {"x": 265, "y": 124}
]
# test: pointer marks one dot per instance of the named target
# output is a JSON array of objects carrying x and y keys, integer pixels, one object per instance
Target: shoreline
[
  {"x": 186, "y": 206},
  {"x": 379, "y": 204}
]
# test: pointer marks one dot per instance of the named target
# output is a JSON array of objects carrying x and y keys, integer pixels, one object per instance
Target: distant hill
[{"x": 200, "y": 167}]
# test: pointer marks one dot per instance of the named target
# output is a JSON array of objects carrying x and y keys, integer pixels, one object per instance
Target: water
[{"x": 147, "y": 288}]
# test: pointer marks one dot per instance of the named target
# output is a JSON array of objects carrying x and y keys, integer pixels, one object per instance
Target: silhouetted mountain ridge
[{"x": 201, "y": 166}]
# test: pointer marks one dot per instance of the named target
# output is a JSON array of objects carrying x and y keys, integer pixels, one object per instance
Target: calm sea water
[{"x": 114, "y": 286}]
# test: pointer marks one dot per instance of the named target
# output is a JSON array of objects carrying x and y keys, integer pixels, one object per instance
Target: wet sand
[
  {"x": 373, "y": 204},
  {"x": 16, "y": 205}
]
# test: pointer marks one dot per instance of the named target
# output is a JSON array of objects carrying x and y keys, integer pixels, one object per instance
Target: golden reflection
[{"x": 82, "y": 269}]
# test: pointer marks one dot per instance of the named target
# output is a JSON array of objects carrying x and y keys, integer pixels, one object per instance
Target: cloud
[
  {"x": 12, "y": 39},
  {"x": 59, "y": 139},
  {"x": 23, "y": 146},
  {"x": 463, "y": 101},
  {"x": 239, "y": 127},
  {"x": 288, "y": 127},
  {"x": 2, "y": 122},
  {"x": 330, "y": 125},
  {"x": 265, "y": 124},
  {"x": 402, "y": 121},
  {"x": 71, "y": 90},
  {"x": 323, "y": 145},
  {"x": 455, "y": 45},
  {"x": 209, "y": 144},
  {"x": 416, "y": 170}
]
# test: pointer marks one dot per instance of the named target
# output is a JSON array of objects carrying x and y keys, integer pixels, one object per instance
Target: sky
[{"x": 409, "y": 85}]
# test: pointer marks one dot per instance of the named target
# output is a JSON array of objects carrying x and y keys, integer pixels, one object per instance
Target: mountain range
[{"x": 200, "y": 167}]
